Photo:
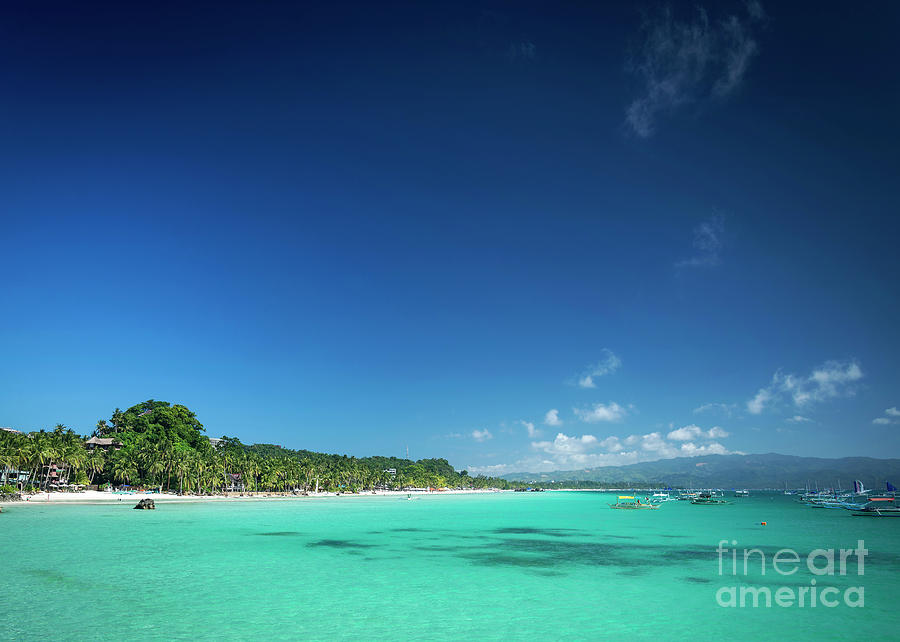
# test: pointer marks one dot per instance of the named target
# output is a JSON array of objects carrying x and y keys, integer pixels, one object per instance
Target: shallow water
[{"x": 499, "y": 566}]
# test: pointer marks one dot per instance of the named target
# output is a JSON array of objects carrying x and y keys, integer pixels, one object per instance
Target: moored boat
[
  {"x": 632, "y": 505},
  {"x": 878, "y": 507},
  {"x": 709, "y": 499}
]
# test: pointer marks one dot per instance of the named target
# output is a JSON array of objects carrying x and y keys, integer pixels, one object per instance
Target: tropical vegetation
[{"x": 162, "y": 446}]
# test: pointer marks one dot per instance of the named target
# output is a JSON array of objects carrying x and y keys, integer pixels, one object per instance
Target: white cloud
[
  {"x": 707, "y": 244},
  {"x": 890, "y": 412},
  {"x": 482, "y": 435},
  {"x": 725, "y": 408},
  {"x": 532, "y": 431},
  {"x": 717, "y": 433},
  {"x": 568, "y": 452},
  {"x": 831, "y": 380},
  {"x": 607, "y": 365},
  {"x": 758, "y": 403},
  {"x": 552, "y": 418},
  {"x": 692, "y": 450},
  {"x": 799, "y": 419},
  {"x": 692, "y": 432},
  {"x": 685, "y": 433},
  {"x": 601, "y": 412},
  {"x": 566, "y": 445},
  {"x": 611, "y": 444},
  {"x": 680, "y": 63}
]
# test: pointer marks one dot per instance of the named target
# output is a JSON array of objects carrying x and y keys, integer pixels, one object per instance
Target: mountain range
[{"x": 768, "y": 470}]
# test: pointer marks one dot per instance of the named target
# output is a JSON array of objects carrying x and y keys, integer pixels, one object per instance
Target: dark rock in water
[{"x": 145, "y": 504}]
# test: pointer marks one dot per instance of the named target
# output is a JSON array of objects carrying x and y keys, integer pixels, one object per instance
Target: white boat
[
  {"x": 632, "y": 505},
  {"x": 878, "y": 507}
]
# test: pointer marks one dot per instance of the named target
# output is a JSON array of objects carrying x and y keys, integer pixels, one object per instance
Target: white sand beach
[{"x": 101, "y": 497}]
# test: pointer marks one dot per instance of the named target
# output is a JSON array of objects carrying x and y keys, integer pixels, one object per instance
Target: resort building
[
  {"x": 11, "y": 477},
  {"x": 104, "y": 443}
]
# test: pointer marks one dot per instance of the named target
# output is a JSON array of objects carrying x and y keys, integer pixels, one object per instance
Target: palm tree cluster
[{"x": 161, "y": 446}]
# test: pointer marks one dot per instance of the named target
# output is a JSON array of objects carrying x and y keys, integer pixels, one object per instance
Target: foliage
[{"x": 161, "y": 445}]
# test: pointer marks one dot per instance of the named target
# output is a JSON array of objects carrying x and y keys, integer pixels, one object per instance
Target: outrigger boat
[
  {"x": 632, "y": 505},
  {"x": 881, "y": 505},
  {"x": 878, "y": 507},
  {"x": 708, "y": 499},
  {"x": 742, "y": 493}
]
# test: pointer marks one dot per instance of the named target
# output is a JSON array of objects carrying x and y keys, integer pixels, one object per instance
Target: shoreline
[{"x": 94, "y": 497}]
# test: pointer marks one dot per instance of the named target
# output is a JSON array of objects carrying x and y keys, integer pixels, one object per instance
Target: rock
[{"x": 145, "y": 504}]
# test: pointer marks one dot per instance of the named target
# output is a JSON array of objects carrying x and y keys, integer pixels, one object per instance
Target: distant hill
[{"x": 735, "y": 471}]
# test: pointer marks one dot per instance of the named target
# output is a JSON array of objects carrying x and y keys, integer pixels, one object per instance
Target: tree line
[{"x": 162, "y": 446}]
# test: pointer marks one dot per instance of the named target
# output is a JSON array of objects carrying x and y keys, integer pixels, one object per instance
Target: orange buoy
[{"x": 762, "y": 523}]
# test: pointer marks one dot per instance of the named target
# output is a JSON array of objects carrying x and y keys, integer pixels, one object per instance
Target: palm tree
[
  {"x": 96, "y": 461},
  {"x": 125, "y": 466}
]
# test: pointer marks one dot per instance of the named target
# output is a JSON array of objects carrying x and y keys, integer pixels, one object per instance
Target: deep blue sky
[{"x": 361, "y": 227}]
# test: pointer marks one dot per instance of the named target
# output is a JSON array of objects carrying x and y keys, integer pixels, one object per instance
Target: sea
[{"x": 496, "y": 566}]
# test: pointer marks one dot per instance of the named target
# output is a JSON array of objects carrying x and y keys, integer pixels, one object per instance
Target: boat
[
  {"x": 829, "y": 502},
  {"x": 742, "y": 493},
  {"x": 878, "y": 507},
  {"x": 704, "y": 499},
  {"x": 632, "y": 505}
]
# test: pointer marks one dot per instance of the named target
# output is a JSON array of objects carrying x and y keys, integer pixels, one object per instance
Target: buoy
[{"x": 762, "y": 523}]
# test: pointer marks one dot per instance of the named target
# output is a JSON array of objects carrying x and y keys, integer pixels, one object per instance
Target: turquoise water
[{"x": 499, "y": 566}]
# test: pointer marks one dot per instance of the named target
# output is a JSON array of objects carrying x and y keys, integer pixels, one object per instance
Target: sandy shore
[{"x": 99, "y": 497}]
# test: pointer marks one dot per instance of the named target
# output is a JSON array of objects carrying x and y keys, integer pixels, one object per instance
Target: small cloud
[
  {"x": 684, "y": 62},
  {"x": 756, "y": 405},
  {"x": 717, "y": 433},
  {"x": 521, "y": 51},
  {"x": 454, "y": 435},
  {"x": 708, "y": 237},
  {"x": 612, "y": 444},
  {"x": 692, "y": 432},
  {"x": 725, "y": 408},
  {"x": 799, "y": 419},
  {"x": 601, "y": 412},
  {"x": 892, "y": 414},
  {"x": 756, "y": 11},
  {"x": 532, "y": 431},
  {"x": 552, "y": 418},
  {"x": 482, "y": 435},
  {"x": 565, "y": 445},
  {"x": 607, "y": 365},
  {"x": 831, "y": 380},
  {"x": 685, "y": 433}
]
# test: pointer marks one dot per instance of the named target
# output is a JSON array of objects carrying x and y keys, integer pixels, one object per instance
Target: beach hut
[{"x": 104, "y": 443}]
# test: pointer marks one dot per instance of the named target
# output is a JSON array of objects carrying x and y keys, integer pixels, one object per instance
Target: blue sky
[{"x": 516, "y": 235}]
